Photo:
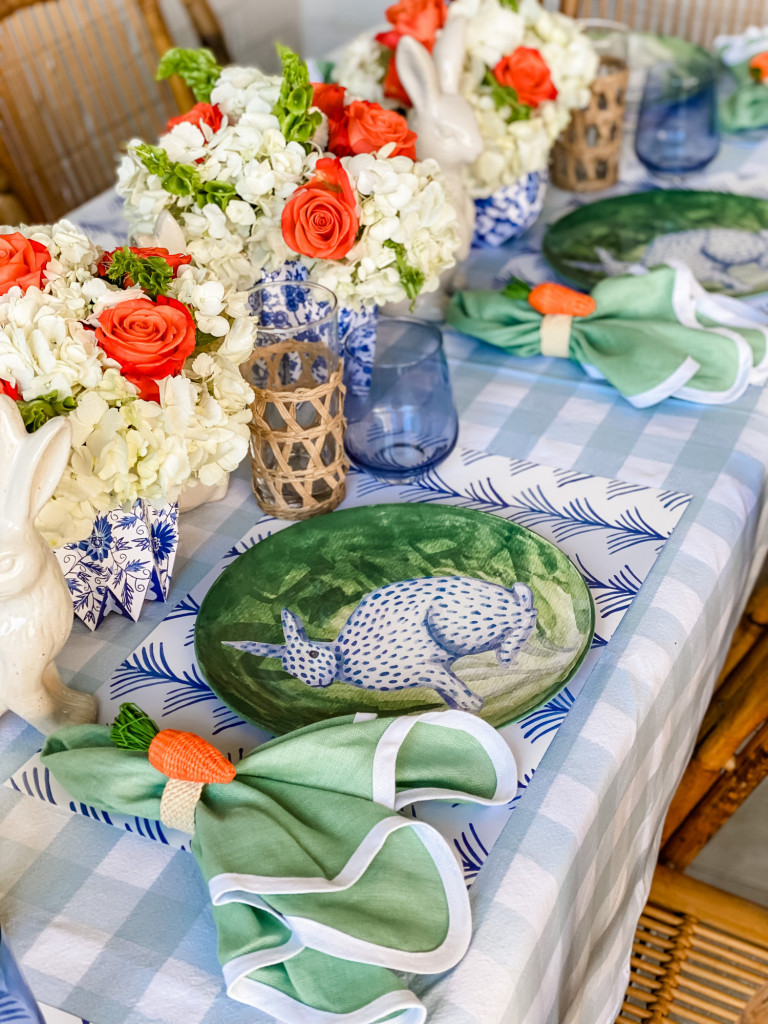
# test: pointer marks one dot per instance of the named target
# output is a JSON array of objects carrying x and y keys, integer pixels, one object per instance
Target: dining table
[{"x": 115, "y": 929}]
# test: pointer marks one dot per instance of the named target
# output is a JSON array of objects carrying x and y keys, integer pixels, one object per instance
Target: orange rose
[
  {"x": 758, "y": 67},
  {"x": 174, "y": 260},
  {"x": 330, "y": 99},
  {"x": 204, "y": 112},
  {"x": 370, "y": 127},
  {"x": 320, "y": 219},
  {"x": 6, "y": 388},
  {"x": 393, "y": 87},
  {"x": 150, "y": 340},
  {"x": 22, "y": 262},
  {"x": 418, "y": 18},
  {"x": 527, "y": 73}
]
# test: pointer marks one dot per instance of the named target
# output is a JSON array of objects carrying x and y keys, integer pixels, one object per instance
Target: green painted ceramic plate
[
  {"x": 455, "y": 571},
  {"x": 722, "y": 237}
]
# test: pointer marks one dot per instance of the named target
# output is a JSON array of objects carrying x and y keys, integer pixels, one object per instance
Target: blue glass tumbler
[
  {"x": 401, "y": 420},
  {"x": 17, "y": 1003},
  {"x": 677, "y": 130}
]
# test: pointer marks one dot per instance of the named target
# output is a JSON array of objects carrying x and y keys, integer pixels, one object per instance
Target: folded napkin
[
  {"x": 319, "y": 889},
  {"x": 747, "y": 106},
  {"x": 652, "y": 335}
]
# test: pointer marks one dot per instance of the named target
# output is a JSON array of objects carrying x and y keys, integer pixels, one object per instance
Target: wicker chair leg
[
  {"x": 723, "y": 799},
  {"x": 744, "y": 711}
]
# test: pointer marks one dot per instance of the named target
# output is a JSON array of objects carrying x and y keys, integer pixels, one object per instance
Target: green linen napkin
[
  {"x": 747, "y": 106},
  {"x": 319, "y": 888},
  {"x": 652, "y": 335}
]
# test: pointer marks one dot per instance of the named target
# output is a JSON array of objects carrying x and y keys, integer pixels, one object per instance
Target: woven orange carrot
[
  {"x": 556, "y": 298},
  {"x": 179, "y": 755},
  {"x": 758, "y": 67}
]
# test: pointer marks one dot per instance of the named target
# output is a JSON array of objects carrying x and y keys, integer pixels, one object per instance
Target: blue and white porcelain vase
[
  {"x": 362, "y": 321},
  {"x": 509, "y": 211},
  {"x": 349, "y": 319}
]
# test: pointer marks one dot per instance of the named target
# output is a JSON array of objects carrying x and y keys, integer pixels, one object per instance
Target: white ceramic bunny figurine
[
  {"x": 35, "y": 603},
  {"x": 443, "y": 120}
]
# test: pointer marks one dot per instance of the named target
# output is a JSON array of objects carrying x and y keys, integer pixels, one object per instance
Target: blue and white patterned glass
[
  {"x": 401, "y": 420},
  {"x": 17, "y": 1004},
  {"x": 677, "y": 130}
]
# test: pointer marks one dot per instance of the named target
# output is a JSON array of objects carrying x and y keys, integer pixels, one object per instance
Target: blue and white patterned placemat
[{"x": 612, "y": 531}]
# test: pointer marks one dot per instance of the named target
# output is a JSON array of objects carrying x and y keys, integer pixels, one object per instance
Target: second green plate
[{"x": 722, "y": 237}]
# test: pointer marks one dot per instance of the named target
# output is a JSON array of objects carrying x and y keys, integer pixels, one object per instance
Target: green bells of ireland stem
[
  {"x": 652, "y": 336},
  {"x": 197, "y": 68},
  {"x": 38, "y": 411},
  {"x": 320, "y": 888}
]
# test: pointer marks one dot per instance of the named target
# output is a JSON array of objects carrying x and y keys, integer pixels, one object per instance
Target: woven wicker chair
[
  {"x": 731, "y": 754},
  {"x": 697, "y": 20},
  {"x": 77, "y": 81},
  {"x": 700, "y": 956}
]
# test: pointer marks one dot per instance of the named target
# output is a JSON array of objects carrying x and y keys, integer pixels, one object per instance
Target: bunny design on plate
[
  {"x": 409, "y": 634},
  {"x": 35, "y": 604}
]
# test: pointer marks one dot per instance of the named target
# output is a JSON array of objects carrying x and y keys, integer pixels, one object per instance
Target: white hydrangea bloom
[
  {"x": 361, "y": 69},
  {"x": 124, "y": 447}
]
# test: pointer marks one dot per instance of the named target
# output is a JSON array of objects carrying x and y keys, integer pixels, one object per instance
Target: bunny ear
[
  {"x": 32, "y": 463},
  {"x": 252, "y": 647},
  {"x": 448, "y": 54},
  {"x": 416, "y": 71},
  {"x": 46, "y": 455},
  {"x": 293, "y": 627}
]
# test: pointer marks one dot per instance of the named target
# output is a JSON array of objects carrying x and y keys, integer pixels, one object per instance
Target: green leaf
[
  {"x": 516, "y": 289},
  {"x": 38, "y": 411},
  {"x": 217, "y": 192},
  {"x": 411, "y": 279},
  {"x": 206, "y": 342},
  {"x": 504, "y": 96},
  {"x": 292, "y": 108},
  {"x": 511, "y": 4},
  {"x": 198, "y": 68},
  {"x": 184, "y": 179},
  {"x": 151, "y": 273},
  {"x": 154, "y": 158}
]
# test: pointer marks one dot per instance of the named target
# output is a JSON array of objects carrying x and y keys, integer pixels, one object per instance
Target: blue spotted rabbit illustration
[{"x": 409, "y": 634}]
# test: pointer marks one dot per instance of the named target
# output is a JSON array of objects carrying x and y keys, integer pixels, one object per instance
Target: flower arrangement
[
  {"x": 245, "y": 177},
  {"x": 525, "y": 70},
  {"x": 140, "y": 350}
]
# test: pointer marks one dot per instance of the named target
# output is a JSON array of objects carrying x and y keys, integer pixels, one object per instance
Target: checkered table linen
[{"x": 116, "y": 929}]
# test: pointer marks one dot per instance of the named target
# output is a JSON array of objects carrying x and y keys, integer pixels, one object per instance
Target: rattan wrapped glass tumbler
[
  {"x": 586, "y": 156},
  {"x": 297, "y": 431}
]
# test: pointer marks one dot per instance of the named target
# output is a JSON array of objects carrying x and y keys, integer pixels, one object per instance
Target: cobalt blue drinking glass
[
  {"x": 401, "y": 420},
  {"x": 677, "y": 128},
  {"x": 17, "y": 1003}
]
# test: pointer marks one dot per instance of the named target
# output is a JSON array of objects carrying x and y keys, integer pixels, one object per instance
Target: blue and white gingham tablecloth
[{"x": 119, "y": 930}]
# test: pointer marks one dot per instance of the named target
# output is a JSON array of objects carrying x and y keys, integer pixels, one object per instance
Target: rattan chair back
[
  {"x": 700, "y": 956},
  {"x": 76, "y": 82},
  {"x": 696, "y": 20},
  {"x": 207, "y": 26}
]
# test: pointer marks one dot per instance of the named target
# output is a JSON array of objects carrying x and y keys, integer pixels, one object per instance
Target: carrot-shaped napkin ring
[
  {"x": 558, "y": 306},
  {"x": 189, "y": 762}
]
